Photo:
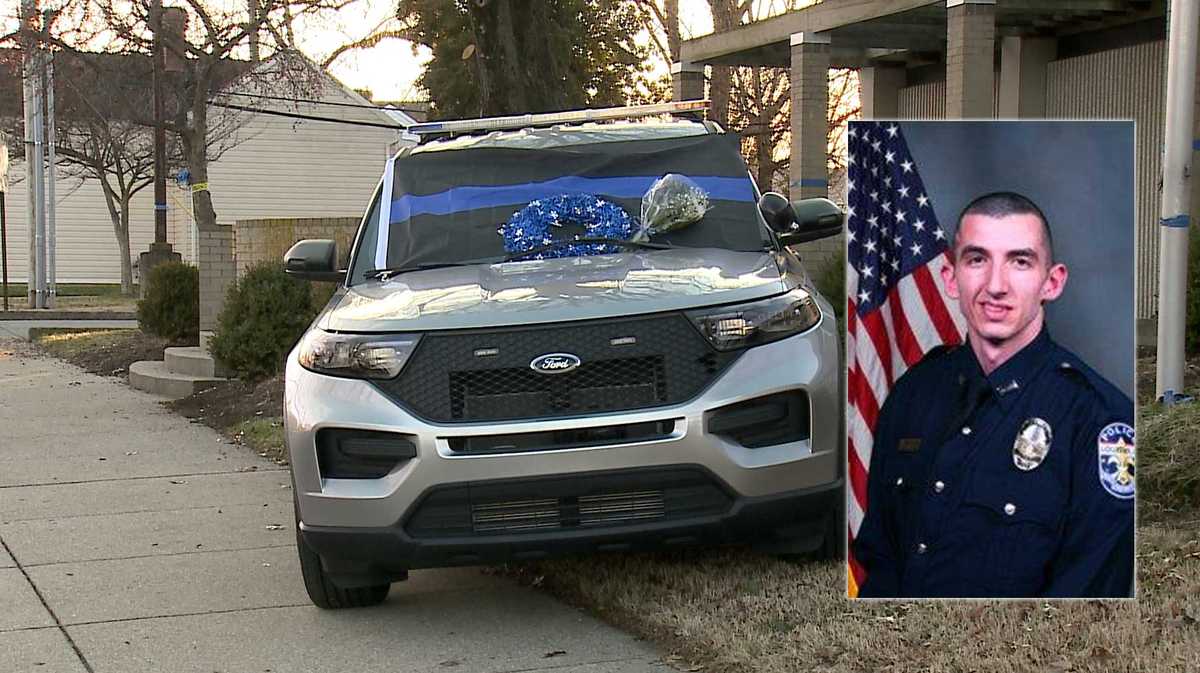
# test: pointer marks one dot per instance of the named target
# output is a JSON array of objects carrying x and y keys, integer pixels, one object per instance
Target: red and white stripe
[{"x": 916, "y": 317}]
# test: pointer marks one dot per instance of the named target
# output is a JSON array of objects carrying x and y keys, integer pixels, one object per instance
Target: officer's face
[{"x": 1001, "y": 275}]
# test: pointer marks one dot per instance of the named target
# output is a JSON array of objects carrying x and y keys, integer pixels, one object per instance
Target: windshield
[{"x": 448, "y": 207}]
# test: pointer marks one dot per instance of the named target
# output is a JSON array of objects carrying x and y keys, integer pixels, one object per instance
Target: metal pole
[
  {"x": 4, "y": 215},
  {"x": 51, "y": 132},
  {"x": 1176, "y": 198},
  {"x": 160, "y": 133},
  {"x": 4, "y": 245},
  {"x": 32, "y": 165},
  {"x": 39, "y": 139}
]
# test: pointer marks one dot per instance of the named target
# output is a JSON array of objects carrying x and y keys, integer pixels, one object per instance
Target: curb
[{"x": 67, "y": 315}]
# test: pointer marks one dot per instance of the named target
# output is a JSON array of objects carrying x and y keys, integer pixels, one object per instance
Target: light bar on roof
[{"x": 549, "y": 118}]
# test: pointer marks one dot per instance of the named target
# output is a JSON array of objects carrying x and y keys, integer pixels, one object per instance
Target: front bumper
[
  {"x": 794, "y": 521},
  {"x": 768, "y": 486}
]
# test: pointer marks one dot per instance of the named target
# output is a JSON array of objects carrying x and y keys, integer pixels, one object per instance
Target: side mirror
[
  {"x": 314, "y": 259},
  {"x": 777, "y": 212},
  {"x": 815, "y": 218}
]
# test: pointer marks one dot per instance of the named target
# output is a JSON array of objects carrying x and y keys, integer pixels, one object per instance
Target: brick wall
[
  {"x": 263, "y": 240},
  {"x": 970, "y": 60},
  {"x": 216, "y": 273}
]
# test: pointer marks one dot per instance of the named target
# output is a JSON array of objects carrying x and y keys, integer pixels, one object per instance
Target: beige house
[{"x": 277, "y": 167}]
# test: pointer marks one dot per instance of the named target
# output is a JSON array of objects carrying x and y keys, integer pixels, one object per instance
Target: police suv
[{"x": 514, "y": 366}]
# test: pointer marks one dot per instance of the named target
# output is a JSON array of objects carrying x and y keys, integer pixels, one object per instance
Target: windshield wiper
[
  {"x": 610, "y": 241},
  {"x": 384, "y": 274}
]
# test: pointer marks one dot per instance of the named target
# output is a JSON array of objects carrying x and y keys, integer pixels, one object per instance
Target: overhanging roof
[{"x": 862, "y": 30}]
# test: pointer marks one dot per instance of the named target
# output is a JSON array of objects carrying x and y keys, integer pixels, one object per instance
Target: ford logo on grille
[{"x": 554, "y": 363}]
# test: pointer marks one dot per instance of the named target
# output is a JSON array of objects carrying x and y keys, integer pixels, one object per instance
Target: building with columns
[{"x": 952, "y": 59}]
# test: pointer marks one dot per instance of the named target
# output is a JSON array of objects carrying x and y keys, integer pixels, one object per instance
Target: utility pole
[
  {"x": 160, "y": 134},
  {"x": 1176, "y": 198},
  {"x": 160, "y": 251}
]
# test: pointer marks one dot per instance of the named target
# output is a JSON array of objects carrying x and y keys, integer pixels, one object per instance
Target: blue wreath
[{"x": 533, "y": 226}]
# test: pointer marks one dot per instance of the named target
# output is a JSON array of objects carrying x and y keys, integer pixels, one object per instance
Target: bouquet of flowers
[{"x": 672, "y": 202}]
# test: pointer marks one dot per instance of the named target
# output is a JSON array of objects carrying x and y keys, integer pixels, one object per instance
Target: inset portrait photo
[{"x": 990, "y": 355}]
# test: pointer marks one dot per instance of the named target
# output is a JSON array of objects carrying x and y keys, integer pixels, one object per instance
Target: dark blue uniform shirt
[{"x": 952, "y": 512}]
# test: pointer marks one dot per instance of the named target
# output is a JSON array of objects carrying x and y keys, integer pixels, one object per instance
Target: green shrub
[
  {"x": 265, "y": 313},
  {"x": 830, "y": 280},
  {"x": 171, "y": 309}
]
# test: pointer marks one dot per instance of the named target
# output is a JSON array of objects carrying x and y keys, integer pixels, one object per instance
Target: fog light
[
  {"x": 763, "y": 421},
  {"x": 361, "y": 454}
]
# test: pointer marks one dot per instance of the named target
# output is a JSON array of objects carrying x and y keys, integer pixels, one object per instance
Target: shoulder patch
[{"x": 1116, "y": 459}]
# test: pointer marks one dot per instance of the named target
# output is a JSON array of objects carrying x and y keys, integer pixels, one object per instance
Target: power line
[{"x": 297, "y": 115}]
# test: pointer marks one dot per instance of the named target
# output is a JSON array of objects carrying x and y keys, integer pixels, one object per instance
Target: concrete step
[
  {"x": 193, "y": 361},
  {"x": 153, "y": 376}
]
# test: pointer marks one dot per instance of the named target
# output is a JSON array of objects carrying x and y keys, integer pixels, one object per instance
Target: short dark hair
[{"x": 1002, "y": 204}]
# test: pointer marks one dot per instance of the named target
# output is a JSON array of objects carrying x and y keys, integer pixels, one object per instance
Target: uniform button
[
  {"x": 900, "y": 481},
  {"x": 1010, "y": 509},
  {"x": 939, "y": 486},
  {"x": 922, "y": 548},
  {"x": 966, "y": 430}
]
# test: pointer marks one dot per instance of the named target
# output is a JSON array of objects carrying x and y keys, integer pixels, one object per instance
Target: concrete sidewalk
[{"x": 134, "y": 541}]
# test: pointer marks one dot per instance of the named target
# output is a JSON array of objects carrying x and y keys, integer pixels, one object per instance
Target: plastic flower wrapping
[
  {"x": 535, "y": 226},
  {"x": 672, "y": 202}
]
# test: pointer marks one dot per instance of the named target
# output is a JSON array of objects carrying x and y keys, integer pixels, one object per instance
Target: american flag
[{"x": 897, "y": 307}]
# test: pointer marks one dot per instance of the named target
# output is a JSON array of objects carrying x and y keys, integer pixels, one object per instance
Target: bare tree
[
  {"x": 207, "y": 57},
  {"x": 103, "y": 131},
  {"x": 756, "y": 101}
]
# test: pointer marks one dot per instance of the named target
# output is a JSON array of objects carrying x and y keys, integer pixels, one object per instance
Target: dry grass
[
  {"x": 264, "y": 435},
  {"x": 96, "y": 303},
  {"x": 69, "y": 343},
  {"x": 1168, "y": 459},
  {"x": 106, "y": 352},
  {"x": 735, "y": 610}
]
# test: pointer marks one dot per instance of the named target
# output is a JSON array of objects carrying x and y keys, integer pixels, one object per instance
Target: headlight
[
  {"x": 760, "y": 322},
  {"x": 356, "y": 355}
]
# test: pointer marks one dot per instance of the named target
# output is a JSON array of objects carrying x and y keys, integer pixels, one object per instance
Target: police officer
[{"x": 1004, "y": 466}]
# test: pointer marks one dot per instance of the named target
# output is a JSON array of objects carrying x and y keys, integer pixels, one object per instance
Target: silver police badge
[{"x": 1032, "y": 445}]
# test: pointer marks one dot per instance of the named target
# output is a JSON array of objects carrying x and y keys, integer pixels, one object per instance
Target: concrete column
[
  {"x": 687, "y": 81},
  {"x": 970, "y": 58},
  {"x": 1023, "y": 62},
  {"x": 879, "y": 91},
  {"x": 217, "y": 272},
  {"x": 810, "y": 126},
  {"x": 810, "y": 136}
]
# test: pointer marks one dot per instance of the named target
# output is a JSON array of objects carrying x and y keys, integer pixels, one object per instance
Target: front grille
[
  {"x": 567, "y": 503},
  {"x": 617, "y": 508},
  {"x": 568, "y": 438},
  {"x": 629, "y": 363},
  {"x": 594, "y": 510}
]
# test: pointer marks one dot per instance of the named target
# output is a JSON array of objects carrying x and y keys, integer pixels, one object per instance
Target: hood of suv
[{"x": 555, "y": 290}]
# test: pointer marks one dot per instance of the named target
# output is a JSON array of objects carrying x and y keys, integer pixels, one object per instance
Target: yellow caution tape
[{"x": 200, "y": 187}]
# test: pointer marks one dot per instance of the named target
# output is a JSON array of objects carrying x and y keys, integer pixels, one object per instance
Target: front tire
[{"x": 323, "y": 591}]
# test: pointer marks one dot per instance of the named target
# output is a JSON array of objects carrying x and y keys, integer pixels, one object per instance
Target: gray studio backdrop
[{"x": 1081, "y": 175}]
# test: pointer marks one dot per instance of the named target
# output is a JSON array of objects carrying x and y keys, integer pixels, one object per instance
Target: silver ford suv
[{"x": 462, "y": 402}]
